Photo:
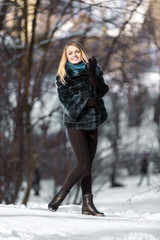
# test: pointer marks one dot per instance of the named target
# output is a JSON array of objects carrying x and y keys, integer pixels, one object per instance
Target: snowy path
[
  {"x": 131, "y": 213},
  {"x": 37, "y": 224}
]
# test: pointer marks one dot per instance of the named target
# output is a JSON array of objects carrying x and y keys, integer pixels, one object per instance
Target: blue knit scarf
[{"x": 76, "y": 67}]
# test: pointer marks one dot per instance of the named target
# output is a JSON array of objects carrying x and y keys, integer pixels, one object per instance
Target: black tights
[{"x": 84, "y": 144}]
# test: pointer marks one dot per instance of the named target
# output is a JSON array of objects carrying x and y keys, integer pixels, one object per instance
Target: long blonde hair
[{"x": 61, "y": 69}]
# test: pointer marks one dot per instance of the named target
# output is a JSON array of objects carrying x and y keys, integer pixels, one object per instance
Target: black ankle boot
[
  {"x": 57, "y": 200},
  {"x": 88, "y": 207}
]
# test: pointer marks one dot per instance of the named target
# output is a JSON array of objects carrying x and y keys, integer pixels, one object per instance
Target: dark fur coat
[{"x": 74, "y": 95}]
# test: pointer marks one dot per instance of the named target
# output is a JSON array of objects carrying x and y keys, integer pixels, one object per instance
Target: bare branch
[{"x": 115, "y": 40}]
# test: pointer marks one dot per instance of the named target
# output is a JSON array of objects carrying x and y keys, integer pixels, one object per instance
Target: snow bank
[{"x": 131, "y": 213}]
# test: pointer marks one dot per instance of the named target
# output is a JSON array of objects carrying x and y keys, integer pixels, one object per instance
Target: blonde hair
[{"x": 61, "y": 69}]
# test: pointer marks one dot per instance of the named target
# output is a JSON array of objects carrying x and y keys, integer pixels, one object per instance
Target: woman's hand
[
  {"x": 92, "y": 71},
  {"x": 95, "y": 104},
  {"x": 92, "y": 65}
]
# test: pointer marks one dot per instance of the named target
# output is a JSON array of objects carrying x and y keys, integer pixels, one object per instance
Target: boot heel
[{"x": 86, "y": 213}]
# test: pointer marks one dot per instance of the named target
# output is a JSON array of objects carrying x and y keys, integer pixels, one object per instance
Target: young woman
[{"x": 80, "y": 87}]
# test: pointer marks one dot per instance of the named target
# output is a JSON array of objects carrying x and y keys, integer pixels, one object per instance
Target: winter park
[{"x": 79, "y": 120}]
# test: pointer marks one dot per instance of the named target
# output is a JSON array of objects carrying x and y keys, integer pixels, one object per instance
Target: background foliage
[{"x": 124, "y": 36}]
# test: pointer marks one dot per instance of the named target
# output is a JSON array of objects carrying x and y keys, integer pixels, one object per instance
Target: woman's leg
[
  {"x": 88, "y": 207},
  {"x": 92, "y": 139},
  {"x": 79, "y": 142}
]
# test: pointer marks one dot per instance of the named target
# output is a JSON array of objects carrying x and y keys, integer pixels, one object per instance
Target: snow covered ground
[{"x": 131, "y": 213}]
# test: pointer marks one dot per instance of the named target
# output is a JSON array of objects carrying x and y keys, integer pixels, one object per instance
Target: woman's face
[{"x": 73, "y": 54}]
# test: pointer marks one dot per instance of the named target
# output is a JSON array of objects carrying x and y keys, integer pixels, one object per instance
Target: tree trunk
[
  {"x": 29, "y": 185},
  {"x": 115, "y": 138}
]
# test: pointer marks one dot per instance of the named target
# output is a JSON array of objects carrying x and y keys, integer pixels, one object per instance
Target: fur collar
[{"x": 70, "y": 73}]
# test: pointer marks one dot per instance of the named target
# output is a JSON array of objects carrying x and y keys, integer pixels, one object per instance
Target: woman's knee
[
  {"x": 86, "y": 169},
  {"x": 83, "y": 167}
]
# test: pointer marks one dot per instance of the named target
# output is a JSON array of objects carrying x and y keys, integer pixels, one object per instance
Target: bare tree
[
  {"x": 32, "y": 35},
  {"x": 25, "y": 68}
]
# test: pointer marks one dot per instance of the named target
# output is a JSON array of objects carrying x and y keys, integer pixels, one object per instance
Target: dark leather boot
[
  {"x": 88, "y": 207},
  {"x": 57, "y": 200}
]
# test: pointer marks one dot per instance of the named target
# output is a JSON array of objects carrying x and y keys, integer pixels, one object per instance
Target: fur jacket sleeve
[{"x": 72, "y": 103}]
